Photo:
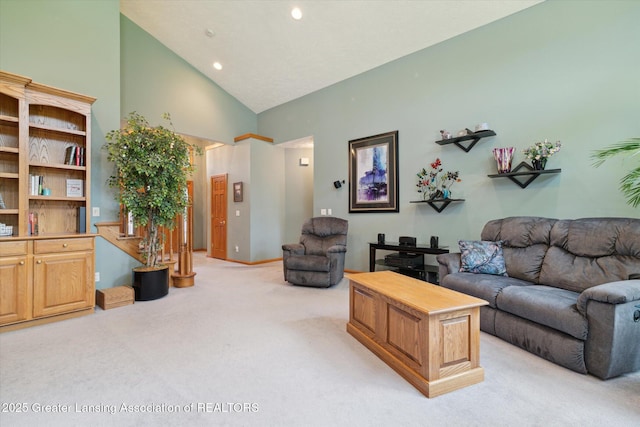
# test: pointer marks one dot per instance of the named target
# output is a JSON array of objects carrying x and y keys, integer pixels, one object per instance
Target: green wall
[
  {"x": 87, "y": 47},
  {"x": 156, "y": 81},
  {"x": 74, "y": 45},
  {"x": 561, "y": 70}
]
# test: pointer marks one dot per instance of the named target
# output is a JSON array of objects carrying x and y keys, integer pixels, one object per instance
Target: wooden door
[
  {"x": 62, "y": 282},
  {"x": 219, "y": 216},
  {"x": 14, "y": 301}
]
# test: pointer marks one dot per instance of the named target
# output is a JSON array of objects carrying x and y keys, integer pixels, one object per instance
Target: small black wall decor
[{"x": 237, "y": 191}]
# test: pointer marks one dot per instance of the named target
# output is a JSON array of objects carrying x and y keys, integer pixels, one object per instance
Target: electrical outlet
[
  {"x": 237, "y": 248},
  {"x": 95, "y": 211},
  {"x": 323, "y": 211},
  {"x": 97, "y": 276},
  {"x": 328, "y": 211}
]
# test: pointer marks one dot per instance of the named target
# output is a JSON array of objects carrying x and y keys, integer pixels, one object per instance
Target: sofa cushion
[
  {"x": 525, "y": 243},
  {"x": 591, "y": 251},
  {"x": 321, "y": 233},
  {"x": 525, "y": 263},
  {"x": 484, "y": 286},
  {"x": 482, "y": 257},
  {"x": 309, "y": 263},
  {"x": 519, "y": 231},
  {"x": 546, "y": 305},
  {"x": 538, "y": 339}
]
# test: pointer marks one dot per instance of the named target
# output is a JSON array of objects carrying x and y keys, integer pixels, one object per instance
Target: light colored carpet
[{"x": 243, "y": 348}]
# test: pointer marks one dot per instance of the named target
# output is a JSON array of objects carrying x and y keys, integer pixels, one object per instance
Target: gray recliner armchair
[{"x": 318, "y": 260}]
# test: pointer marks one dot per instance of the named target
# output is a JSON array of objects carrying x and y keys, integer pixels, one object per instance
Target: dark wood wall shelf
[
  {"x": 529, "y": 172},
  {"x": 438, "y": 204},
  {"x": 474, "y": 137}
]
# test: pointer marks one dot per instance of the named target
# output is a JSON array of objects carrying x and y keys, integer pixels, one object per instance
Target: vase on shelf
[
  {"x": 504, "y": 157},
  {"x": 446, "y": 194},
  {"x": 437, "y": 194},
  {"x": 539, "y": 165}
]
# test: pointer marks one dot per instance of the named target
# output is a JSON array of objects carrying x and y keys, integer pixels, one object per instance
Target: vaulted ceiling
[{"x": 268, "y": 58}]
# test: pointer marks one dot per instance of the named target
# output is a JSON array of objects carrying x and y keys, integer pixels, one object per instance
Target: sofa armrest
[
  {"x": 337, "y": 249},
  {"x": 293, "y": 248},
  {"x": 612, "y": 346},
  {"x": 448, "y": 263},
  {"x": 619, "y": 292}
]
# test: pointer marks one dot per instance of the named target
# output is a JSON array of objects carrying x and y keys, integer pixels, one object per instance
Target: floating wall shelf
[
  {"x": 474, "y": 137},
  {"x": 438, "y": 204},
  {"x": 531, "y": 173}
]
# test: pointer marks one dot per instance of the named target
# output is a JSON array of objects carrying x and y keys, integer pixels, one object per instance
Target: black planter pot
[
  {"x": 539, "y": 165},
  {"x": 150, "y": 284}
]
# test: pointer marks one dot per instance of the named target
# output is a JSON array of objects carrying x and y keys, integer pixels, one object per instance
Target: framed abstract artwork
[{"x": 373, "y": 173}]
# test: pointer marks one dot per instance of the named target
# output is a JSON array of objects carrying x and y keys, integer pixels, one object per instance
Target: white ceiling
[{"x": 268, "y": 58}]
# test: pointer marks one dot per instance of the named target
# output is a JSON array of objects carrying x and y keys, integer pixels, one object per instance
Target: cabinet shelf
[
  {"x": 9, "y": 119},
  {"x": 422, "y": 268},
  {"x": 56, "y": 198},
  {"x": 529, "y": 172},
  {"x": 438, "y": 204},
  {"x": 38, "y": 124},
  {"x": 474, "y": 137},
  {"x": 9, "y": 150},
  {"x": 57, "y": 129},
  {"x": 57, "y": 166},
  {"x": 423, "y": 271}
]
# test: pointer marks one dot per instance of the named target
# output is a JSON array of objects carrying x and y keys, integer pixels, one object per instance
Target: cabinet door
[
  {"x": 62, "y": 283},
  {"x": 14, "y": 301}
]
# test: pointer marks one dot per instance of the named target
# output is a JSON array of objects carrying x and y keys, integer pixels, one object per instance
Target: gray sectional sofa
[{"x": 571, "y": 293}]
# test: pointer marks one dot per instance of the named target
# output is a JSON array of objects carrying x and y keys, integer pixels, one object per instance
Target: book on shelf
[
  {"x": 75, "y": 188},
  {"x": 69, "y": 154},
  {"x": 82, "y": 219},
  {"x": 33, "y": 223},
  {"x": 74, "y": 155},
  {"x": 36, "y": 184}
]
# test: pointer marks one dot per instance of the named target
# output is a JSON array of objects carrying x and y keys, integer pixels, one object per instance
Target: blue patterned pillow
[{"x": 479, "y": 256}]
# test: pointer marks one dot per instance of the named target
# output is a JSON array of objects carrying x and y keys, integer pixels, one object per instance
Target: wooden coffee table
[{"x": 428, "y": 334}]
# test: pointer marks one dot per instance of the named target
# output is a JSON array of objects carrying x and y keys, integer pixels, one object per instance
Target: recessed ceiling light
[
  {"x": 296, "y": 13},
  {"x": 217, "y": 66}
]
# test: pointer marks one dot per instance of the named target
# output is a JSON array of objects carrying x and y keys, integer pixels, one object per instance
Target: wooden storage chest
[{"x": 114, "y": 297}]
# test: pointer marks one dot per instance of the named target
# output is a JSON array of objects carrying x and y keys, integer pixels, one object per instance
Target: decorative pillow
[{"x": 480, "y": 256}]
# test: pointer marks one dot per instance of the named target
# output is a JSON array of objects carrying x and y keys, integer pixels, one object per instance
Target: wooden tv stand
[{"x": 428, "y": 334}]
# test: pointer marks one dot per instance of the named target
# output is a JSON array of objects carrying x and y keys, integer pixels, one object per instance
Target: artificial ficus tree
[{"x": 152, "y": 165}]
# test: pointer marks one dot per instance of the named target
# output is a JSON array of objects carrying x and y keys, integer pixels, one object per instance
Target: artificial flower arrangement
[
  {"x": 434, "y": 183},
  {"x": 540, "y": 152}
]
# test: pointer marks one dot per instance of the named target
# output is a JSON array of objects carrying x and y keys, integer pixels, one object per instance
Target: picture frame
[
  {"x": 373, "y": 173},
  {"x": 75, "y": 188},
  {"x": 237, "y": 191}
]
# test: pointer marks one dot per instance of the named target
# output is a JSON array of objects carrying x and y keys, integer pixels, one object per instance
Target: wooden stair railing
[
  {"x": 177, "y": 247},
  {"x": 110, "y": 231},
  {"x": 118, "y": 234}
]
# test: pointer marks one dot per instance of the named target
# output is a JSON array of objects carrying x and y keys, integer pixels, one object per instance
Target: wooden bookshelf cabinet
[{"x": 47, "y": 273}]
